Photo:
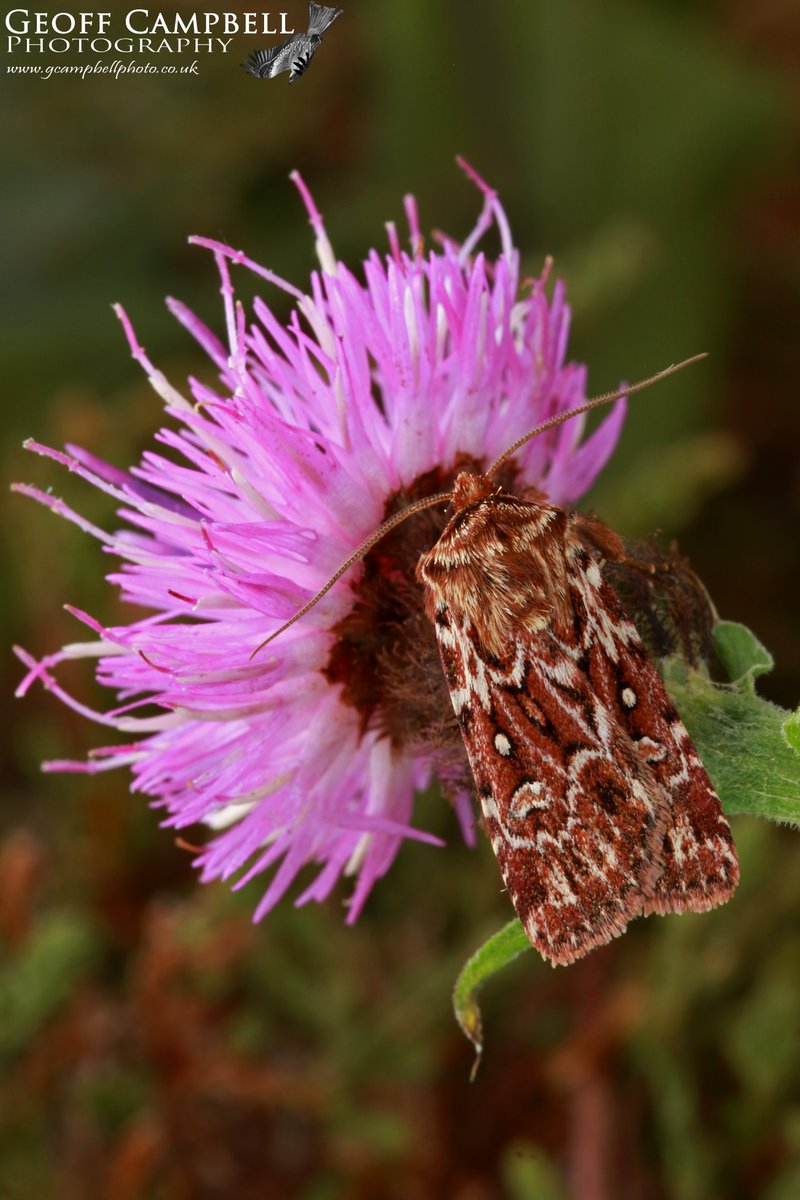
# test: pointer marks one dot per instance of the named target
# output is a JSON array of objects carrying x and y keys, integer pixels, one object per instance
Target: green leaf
[
  {"x": 500, "y": 949},
  {"x": 791, "y": 730},
  {"x": 750, "y": 747},
  {"x": 741, "y": 653}
]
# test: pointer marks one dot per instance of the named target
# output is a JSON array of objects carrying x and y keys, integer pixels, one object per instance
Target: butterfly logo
[{"x": 295, "y": 55}]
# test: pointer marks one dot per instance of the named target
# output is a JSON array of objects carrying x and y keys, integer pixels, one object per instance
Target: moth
[
  {"x": 294, "y": 55},
  {"x": 595, "y": 800}
]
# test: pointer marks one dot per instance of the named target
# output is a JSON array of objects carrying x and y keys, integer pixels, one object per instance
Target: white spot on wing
[
  {"x": 593, "y": 574},
  {"x": 502, "y": 745}
]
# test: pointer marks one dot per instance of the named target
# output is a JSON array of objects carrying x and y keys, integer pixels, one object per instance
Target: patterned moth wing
[{"x": 596, "y": 803}]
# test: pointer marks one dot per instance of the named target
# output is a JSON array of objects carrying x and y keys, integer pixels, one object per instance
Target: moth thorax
[{"x": 470, "y": 489}]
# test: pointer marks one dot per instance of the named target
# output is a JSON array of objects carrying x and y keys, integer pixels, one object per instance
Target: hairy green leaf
[{"x": 748, "y": 745}]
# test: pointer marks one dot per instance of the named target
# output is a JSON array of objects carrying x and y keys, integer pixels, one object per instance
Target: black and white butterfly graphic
[{"x": 295, "y": 55}]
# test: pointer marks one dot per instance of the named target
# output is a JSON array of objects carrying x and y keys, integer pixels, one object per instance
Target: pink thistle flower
[{"x": 378, "y": 388}]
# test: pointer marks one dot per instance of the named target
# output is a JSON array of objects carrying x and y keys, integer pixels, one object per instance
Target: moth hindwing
[{"x": 593, "y": 795}]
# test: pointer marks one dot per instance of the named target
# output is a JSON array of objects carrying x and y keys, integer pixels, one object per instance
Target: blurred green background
[{"x": 152, "y": 1042}]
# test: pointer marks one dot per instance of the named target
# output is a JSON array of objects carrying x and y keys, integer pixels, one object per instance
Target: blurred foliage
[{"x": 154, "y": 1044}]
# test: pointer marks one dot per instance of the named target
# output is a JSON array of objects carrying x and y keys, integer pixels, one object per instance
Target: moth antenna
[
  {"x": 444, "y": 497},
  {"x": 364, "y": 548},
  {"x": 606, "y": 398}
]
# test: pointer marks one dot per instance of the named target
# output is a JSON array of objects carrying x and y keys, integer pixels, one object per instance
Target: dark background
[{"x": 154, "y": 1043}]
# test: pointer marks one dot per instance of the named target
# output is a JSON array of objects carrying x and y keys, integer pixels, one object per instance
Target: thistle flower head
[{"x": 380, "y": 386}]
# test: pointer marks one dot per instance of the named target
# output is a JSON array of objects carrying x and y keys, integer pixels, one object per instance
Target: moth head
[{"x": 470, "y": 489}]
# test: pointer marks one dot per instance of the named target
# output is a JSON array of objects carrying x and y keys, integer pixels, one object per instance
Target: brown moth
[{"x": 595, "y": 800}]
